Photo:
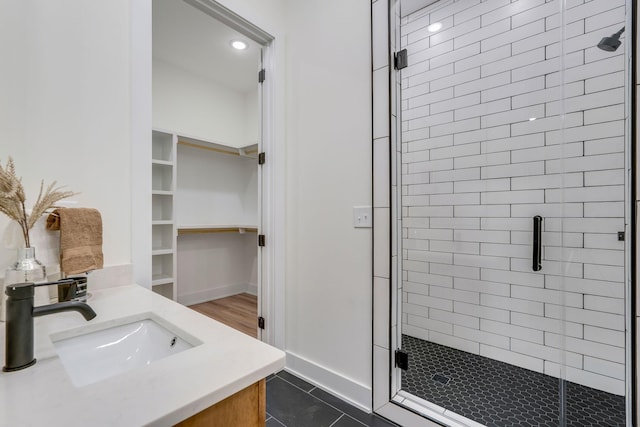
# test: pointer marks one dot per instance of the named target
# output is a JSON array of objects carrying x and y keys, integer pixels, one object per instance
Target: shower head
[{"x": 610, "y": 44}]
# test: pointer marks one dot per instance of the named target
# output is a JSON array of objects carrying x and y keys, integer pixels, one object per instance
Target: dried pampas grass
[{"x": 12, "y": 199}]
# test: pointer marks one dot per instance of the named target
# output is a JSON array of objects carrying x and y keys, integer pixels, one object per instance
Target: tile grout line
[
  {"x": 344, "y": 414},
  {"x": 321, "y": 400},
  {"x": 313, "y": 395},
  {"x": 354, "y": 419},
  {"x": 299, "y": 388},
  {"x": 331, "y": 406},
  {"x": 334, "y": 423},
  {"x": 271, "y": 417}
]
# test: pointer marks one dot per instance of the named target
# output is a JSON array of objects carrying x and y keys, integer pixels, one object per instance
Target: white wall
[
  {"x": 215, "y": 189},
  {"x": 216, "y": 265},
  {"x": 329, "y": 278},
  {"x": 251, "y": 113},
  {"x": 64, "y": 107},
  {"x": 191, "y": 105}
]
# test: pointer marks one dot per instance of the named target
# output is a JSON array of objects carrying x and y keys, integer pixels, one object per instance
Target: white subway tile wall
[{"x": 485, "y": 147}]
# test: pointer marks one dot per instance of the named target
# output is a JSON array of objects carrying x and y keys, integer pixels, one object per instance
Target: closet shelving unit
[
  {"x": 163, "y": 246},
  {"x": 200, "y": 187}
]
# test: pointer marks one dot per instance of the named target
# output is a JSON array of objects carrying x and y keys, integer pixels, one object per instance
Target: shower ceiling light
[
  {"x": 238, "y": 44},
  {"x": 436, "y": 26}
]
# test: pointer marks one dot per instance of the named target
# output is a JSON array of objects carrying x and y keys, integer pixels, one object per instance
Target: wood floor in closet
[{"x": 238, "y": 311}]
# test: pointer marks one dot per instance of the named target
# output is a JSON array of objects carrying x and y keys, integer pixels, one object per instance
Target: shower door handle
[{"x": 537, "y": 243}]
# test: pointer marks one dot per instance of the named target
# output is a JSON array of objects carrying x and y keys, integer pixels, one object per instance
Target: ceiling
[{"x": 192, "y": 40}]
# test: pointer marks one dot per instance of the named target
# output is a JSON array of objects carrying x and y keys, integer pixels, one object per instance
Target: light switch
[{"x": 362, "y": 217}]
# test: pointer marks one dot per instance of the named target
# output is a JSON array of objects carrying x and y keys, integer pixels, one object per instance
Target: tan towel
[{"x": 80, "y": 238}]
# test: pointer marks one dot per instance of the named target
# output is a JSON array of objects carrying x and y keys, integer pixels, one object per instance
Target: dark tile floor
[
  {"x": 499, "y": 394},
  {"x": 293, "y": 402}
]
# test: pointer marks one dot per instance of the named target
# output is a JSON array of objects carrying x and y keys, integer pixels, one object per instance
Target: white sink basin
[{"x": 97, "y": 355}]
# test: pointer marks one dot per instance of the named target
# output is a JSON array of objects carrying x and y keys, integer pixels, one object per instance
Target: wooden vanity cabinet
[{"x": 246, "y": 408}]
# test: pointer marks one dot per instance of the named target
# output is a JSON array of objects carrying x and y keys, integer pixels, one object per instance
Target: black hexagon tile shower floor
[{"x": 499, "y": 394}]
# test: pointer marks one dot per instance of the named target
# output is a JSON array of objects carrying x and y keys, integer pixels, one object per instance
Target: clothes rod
[
  {"x": 207, "y": 230},
  {"x": 217, "y": 150},
  {"x": 237, "y": 152}
]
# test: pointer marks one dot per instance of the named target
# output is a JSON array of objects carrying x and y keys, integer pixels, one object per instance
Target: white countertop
[{"x": 160, "y": 394}]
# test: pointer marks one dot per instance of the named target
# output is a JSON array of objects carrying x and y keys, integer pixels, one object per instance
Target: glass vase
[{"x": 27, "y": 268}]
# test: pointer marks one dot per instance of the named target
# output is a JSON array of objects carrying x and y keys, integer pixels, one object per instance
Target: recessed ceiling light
[
  {"x": 238, "y": 44},
  {"x": 532, "y": 119},
  {"x": 436, "y": 26}
]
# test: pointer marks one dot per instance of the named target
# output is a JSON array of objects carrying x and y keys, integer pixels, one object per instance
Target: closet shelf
[
  {"x": 161, "y": 251},
  {"x": 162, "y": 222},
  {"x": 250, "y": 151},
  {"x": 162, "y": 193},
  {"x": 227, "y": 228},
  {"x": 161, "y": 280},
  {"x": 162, "y": 162}
]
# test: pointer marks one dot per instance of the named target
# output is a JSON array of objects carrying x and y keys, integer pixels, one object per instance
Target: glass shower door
[{"x": 511, "y": 211}]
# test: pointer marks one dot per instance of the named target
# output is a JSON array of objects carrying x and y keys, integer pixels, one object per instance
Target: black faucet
[{"x": 19, "y": 322}]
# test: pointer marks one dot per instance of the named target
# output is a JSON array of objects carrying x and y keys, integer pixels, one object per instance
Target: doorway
[{"x": 208, "y": 100}]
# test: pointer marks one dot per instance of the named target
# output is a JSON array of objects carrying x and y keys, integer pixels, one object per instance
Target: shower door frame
[
  {"x": 384, "y": 248},
  {"x": 634, "y": 180},
  {"x": 385, "y": 242}
]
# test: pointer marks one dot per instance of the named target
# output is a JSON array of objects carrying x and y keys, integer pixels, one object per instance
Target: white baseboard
[
  {"x": 252, "y": 289},
  {"x": 353, "y": 392},
  {"x": 216, "y": 293}
]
